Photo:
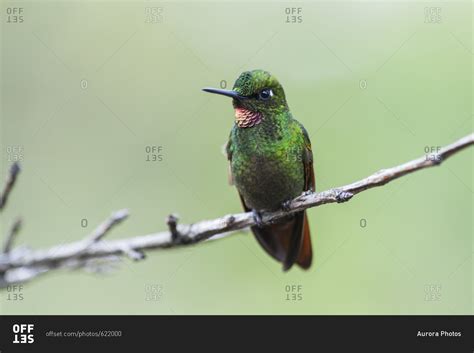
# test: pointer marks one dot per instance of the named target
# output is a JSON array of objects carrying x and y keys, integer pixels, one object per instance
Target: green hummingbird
[{"x": 271, "y": 162}]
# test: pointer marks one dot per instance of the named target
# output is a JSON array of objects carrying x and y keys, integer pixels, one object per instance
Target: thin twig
[
  {"x": 115, "y": 218},
  {"x": 9, "y": 183},
  {"x": 15, "y": 228},
  {"x": 21, "y": 264}
]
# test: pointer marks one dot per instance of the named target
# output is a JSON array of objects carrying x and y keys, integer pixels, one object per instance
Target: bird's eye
[{"x": 265, "y": 94}]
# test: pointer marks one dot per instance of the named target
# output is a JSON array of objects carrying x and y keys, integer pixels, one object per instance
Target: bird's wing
[
  {"x": 310, "y": 182},
  {"x": 305, "y": 255}
]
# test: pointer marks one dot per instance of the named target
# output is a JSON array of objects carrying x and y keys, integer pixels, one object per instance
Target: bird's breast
[{"x": 267, "y": 176}]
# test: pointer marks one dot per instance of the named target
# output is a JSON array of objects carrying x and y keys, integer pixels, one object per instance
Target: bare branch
[
  {"x": 21, "y": 264},
  {"x": 9, "y": 183}
]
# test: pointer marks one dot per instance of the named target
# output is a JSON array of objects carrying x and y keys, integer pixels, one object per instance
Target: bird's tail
[{"x": 288, "y": 240}]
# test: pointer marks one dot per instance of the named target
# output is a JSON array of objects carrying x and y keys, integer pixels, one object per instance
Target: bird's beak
[{"x": 225, "y": 92}]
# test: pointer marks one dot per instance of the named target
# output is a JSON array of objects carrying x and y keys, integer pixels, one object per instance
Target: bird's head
[{"x": 256, "y": 95}]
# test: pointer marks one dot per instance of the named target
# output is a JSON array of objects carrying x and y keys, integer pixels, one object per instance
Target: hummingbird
[{"x": 271, "y": 162}]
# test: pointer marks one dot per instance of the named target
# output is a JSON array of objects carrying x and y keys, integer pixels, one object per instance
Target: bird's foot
[
  {"x": 308, "y": 192},
  {"x": 343, "y": 196},
  {"x": 257, "y": 217},
  {"x": 285, "y": 206}
]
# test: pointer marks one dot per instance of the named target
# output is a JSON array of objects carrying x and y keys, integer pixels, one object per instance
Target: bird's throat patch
[{"x": 247, "y": 118}]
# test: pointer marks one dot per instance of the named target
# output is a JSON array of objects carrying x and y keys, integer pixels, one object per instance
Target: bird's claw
[
  {"x": 308, "y": 192},
  {"x": 285, "y": 206},
  {"x": 257, "y": 217},
  {"x": 343, "y": 196}
]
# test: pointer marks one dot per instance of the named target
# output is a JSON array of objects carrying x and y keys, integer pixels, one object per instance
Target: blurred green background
[{"x": 87, "y": 86}]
